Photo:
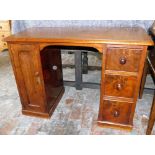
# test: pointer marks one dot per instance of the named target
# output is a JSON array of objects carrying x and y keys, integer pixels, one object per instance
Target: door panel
[{"x": 26, "y": 62}]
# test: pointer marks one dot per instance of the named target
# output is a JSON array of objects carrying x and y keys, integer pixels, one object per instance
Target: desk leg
[
  {"x": 78, "y": 70},
  {"x": 151, "y": 118},
  {"x": 143, "y": 80},
  {"x": 85, "y": 63}
]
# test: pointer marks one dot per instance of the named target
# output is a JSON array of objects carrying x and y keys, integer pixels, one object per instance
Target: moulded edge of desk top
[{"x": 101, "y": 35}]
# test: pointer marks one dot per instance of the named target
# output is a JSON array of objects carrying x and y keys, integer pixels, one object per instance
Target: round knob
[
  {"x": 3, "y": 35},
  {"x": 116, "y": 113},
  {"x": 119, "y": 86},
  {"x": 0, "y": 27},
  {"x": 36, "y": 73},
  {"x": 54, "y": 67},
  {"x": 122, "y": 60}
]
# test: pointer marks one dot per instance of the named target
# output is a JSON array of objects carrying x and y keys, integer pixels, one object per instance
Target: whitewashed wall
[{"x": 19, "y": 25}]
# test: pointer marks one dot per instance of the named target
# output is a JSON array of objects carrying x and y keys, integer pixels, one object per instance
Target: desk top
[{"x": 117, "y": 35}]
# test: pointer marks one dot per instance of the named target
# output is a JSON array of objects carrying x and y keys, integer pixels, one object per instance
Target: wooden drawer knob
[
  {"x": 116, "y": 113},
  {"x": 0, "y": 27},
  {"x": 122, "y": 60}
]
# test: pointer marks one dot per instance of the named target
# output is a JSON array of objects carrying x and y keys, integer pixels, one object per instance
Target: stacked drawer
[
  {"x": 119, "y": 86},
  {"x": 4, "y": 32}
]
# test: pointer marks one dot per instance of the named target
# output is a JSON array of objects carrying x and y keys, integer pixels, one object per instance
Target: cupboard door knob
[
  {"x": 116, "y": 113},
  {"x": 37, "y": 77},
  {"x": 36, "y": 73},
  {"x": 119, "y": 86},
  {"x": 122, "y": 60},
  {"x": 0, "y": 27},
  {"x": 54, "y": 67}
]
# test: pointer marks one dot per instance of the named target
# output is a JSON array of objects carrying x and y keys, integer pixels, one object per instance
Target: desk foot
[
  {"x": 115, "y": 125},
  {"x": 48, "y": 114}
]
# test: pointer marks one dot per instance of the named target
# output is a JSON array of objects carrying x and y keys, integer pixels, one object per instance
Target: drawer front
[
  {"x": 4, "y": 26},
  {"x": 4, "y": 34},
  {"x": 123, "y": 59},
  {"x": 120, "y": 86},
  {"x": 116, "y": 112},
  {"x": 3, "y": 45}
]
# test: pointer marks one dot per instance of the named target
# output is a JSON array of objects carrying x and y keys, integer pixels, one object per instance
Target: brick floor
[{"x": 76, "y": 113}]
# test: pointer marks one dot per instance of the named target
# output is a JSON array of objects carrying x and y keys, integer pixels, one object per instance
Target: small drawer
[
  {"x": 4, "y": 26},
  {"x": 3, "y": 45},
  {"x": 116, "y": 112},
  {"x": 123, "y": 59},
  {"x": 120, "y": 86},
  {"x": 4, "y": 34}
]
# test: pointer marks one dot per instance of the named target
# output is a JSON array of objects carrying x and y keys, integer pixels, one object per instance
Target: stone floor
[{"x": 76, "y": 113}]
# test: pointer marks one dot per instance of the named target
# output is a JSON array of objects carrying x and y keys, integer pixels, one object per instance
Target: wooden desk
[{"x": 36, "y": 60}]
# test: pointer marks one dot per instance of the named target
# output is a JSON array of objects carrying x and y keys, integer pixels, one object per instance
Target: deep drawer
[{"x": 116, "y": 112}]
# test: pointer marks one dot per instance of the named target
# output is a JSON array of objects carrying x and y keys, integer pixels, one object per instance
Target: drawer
[
  {"x": 4, "y": 26},
  {"x": 3, "y": 45},
  {"x": 4, "y": 34},
  {"x": 120, "y": 86},
  {"x": 123, "y": 59},
  {"x": 116, "y": 112}
]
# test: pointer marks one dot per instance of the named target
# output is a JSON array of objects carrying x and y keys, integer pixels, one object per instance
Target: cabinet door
[{"x": 26, "y": 62}]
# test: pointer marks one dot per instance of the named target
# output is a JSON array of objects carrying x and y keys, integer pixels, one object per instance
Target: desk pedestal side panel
[
  {"x": 122, "y": 68},
  {"x": 27, "y": 62}
]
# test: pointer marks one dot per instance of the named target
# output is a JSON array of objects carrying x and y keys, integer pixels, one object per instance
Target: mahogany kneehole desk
[{"x": 36, "y": 62}]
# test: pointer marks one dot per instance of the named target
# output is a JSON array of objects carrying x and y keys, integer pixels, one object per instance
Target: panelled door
[{"x": 26, "y": 64}]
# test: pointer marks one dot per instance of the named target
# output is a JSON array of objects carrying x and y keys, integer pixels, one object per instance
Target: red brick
[
  {"x": 8, "y": 127},
  {"x": 69, "y": 101},
  {"x": 33, "y": 128},
  {"x": 76, "y": 112}
]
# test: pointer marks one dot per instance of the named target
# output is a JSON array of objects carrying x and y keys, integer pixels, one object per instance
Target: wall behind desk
[{"x": 19, "y": 25}]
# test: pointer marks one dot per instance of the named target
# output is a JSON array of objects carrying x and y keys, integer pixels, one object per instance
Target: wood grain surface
[{"x": 123, "y": 35}]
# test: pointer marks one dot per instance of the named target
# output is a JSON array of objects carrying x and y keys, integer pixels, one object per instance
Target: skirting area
[{"x": 76, "y": 113}]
